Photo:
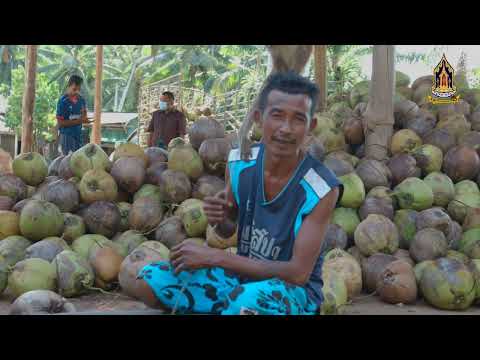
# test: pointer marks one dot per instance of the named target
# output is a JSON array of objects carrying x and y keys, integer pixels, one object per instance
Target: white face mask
[{"x": 163, "y": 105}]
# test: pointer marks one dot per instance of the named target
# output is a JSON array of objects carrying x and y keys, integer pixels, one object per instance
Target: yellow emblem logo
[{"x": 443, "y": 88}]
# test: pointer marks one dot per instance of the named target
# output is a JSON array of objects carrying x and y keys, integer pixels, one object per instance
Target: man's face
[
  {"x": 286, "y": 122},
  {"x": 167, "y": 100},
  {"x": 74, "y": 90}
]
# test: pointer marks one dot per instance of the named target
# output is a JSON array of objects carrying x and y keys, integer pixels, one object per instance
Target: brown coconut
[
  {"x": 353, "y": 130},
  {"x": 106, "y": 263},
  {"x": 428, "y": 244},
  {"x": 155, "y": 155},
  {"x": 421, "y": 124},
  {"x": 470, "y": 139},
  {"x": 315, "y": 148},
  {"x": 454, "y": 235},
  {"x": 171, "y": 232},
  {"x": 153, "y": 173},
  {"x": 403, "y": 111},
  {"x": 207, "y": 185},
  {"x": 102, "y": 218},
  {"x": 397, "y": 283},
  {"x": 129, "y": 173},
  {"x": 338, "y": 166},
  {"x": 374, "y": 205},
  {"x": 455, "y": 124},
  {"x": 373, "y": 173},
  {"x": 373, "y": 267},
  {"x": 204, "y": 128},
  {"x": 434, "y": 218},
  {"x": 461, "y": 163},
  {"x": 440, "y": 138},
  {"x": 214, "y": 154},
  {"x": 145, "y": 214},
  {"x": 475, "y": 120},
  {"x": 335, "y": 237},
  {"x": 6, "y": 203},
  {"x": 175, "y": 186},
  {"x": 403, "y": 166}
]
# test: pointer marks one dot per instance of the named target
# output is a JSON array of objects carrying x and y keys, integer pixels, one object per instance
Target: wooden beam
[
  {"x": 378, "y": 119},
  {"x": 96, "y": 135},
  {"x": 320, "y": 66},
  {"x": 28, "y": 102}
]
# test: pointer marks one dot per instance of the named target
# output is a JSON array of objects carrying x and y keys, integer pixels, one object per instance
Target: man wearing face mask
[{"x": 167, "y": 122}]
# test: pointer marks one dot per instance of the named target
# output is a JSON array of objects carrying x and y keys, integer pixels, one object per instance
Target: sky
[{"x": 415, "y": 70}]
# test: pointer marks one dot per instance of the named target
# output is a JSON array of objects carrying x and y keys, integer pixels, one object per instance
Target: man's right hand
[{"x": 217, "y": 208}]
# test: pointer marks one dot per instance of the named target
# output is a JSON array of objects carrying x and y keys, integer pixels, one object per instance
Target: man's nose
[{"x": 286, "y": 126}]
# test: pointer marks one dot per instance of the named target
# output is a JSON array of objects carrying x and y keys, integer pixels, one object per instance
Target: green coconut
[
  {"x": 414, "y": 193},
  {"x": 442, "y": 188},
  {"x": 75, "y": 276},
  {"x": 130, "y": 150},
  {"x": 354, "y": 191},
  {"x": 89, "y": 157},
  {"x": 347, "y": 219},
  {"x": 32, "y": 274},
  {"x": 124, "y": 209},
  {"x": 458, "y": 207},
  {"x": 405, "y": 220},
  {"x": 383, "y": 192},
  {"x": 474, "y": 267},
  {"x": 193, "y": 217},
  {"x": 9, "y": 224},
  {"x": 335, "y": 295},
  {"x": 465, "y": 187},
  {"x": 184, "y": 158},
  {"x": 82, "y": 244},
  {"x": 40, "y": 219},
  {"x": 31, "y": 167},
  {"x": 150, "y": 191},
  {"x": 448, "y": 284},
  {"x": 376, "y": 233},
  {"x": 455, "y": 124},
  {"x": 456, "y": 255},
  {"x": 129, "y": 241},
  {"x": 332, "y": 139},
  {"x": 470, "y": 243},
  {"x": 429, "y": 158},
  {"x": 360, "y": 93},
  {"x": 418, "y": 270},
  {"x": 344, "y": 265},
  {"x": 472, "y": 219},
  {"x": 324, "y": 121},
  {"x": 12, "y": 249},
  {"x": 73, "y": 227},
  {"x": 97, "y": 185},
  {"x": 340, "y": 111},
  {"x": 404, "y": 140}
]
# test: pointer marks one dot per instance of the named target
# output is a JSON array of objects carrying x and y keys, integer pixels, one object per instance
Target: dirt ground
[{"x": 118, "y": 303}]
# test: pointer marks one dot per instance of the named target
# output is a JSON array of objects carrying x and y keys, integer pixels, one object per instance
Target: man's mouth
[{"x": 284, "y": 141}]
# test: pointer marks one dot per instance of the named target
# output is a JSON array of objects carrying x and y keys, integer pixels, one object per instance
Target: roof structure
[{"x": 114, "y": 118}]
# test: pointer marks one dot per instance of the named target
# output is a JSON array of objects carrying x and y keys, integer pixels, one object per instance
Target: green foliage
[{"x": 46, "y": 98}]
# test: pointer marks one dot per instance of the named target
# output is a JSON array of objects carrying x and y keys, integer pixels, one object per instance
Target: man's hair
[
  {"x": 75, "y": 79},
  {"x": 169, "y": 94},
  {"x": 290, "y": 83}
]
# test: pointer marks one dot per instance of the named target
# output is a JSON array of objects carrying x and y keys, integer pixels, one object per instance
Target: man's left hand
[{"x": 190, "y": 256}]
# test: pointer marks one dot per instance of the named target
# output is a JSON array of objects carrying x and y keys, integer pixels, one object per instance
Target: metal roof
[{"x": 108, "y": 118}]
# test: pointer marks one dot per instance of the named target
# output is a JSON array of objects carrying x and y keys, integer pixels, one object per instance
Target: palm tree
[{"x": 11, "y": 56}]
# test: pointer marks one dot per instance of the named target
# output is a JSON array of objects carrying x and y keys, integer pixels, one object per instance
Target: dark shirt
[
  {"x": 267, "y": 229},
  {"x": 71, "y": 108},
  {"x": 166, "y": 125}
]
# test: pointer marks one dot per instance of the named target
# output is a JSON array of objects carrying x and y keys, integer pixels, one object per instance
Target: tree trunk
[
  {"x": 28, "y": 103},
  {"x": 378, "y": 118},
  {"x": 96, "y": 128},
  {"x": 320, "y": 61}
]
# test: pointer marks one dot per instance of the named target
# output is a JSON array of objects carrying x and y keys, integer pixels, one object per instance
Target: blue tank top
[{"x": 267, "y": 229}]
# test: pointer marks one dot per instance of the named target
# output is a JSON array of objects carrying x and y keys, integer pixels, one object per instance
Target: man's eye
[{"x": 301, "y": 119}]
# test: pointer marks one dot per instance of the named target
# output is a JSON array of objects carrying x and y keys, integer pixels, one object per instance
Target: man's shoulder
[
  {"x": 63, "y": 99},
  {"x": 235, "y": 155},
  {"x": 319, "y": 178}
]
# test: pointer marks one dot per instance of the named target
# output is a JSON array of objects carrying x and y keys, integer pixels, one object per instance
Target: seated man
[{"x": 284, "y": 199}]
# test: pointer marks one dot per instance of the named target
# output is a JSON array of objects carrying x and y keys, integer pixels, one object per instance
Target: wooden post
[
  {"x": 320, "y": 63},
  {"x": 378, "y": 119},
  {"x": 28, "y": 102},
  {"x": 96, "y": 136}
]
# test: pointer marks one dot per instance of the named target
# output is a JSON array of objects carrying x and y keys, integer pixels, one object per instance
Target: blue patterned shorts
[
  {"x": 69, "y": 143},
  {"x": 216, "y": 291}
]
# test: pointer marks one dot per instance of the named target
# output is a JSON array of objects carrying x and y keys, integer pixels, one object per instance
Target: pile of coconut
[
  {"x": 88, "y": 222},
  {"x": 407, "y": 227}
]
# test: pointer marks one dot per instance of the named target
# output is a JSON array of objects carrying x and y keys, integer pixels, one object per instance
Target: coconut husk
[
  {"x": 353, "y": 130},
  {"x": 373, "y": 173},
  {"x": 373, "y": 205},
  {"x": 428, "y": 244},
  {"x": 373, "y": 267},
  {"x": 403, "y": 112},
  {"x": 440, "y": 138},
  {"x": 403, "y": 166},
  {"x": 171, "y": 232},
  {"x": 397, "y": 283},
  {"x": 461, "y": 163},
  {"x": 335, "y": 237},
  {"x": 456, "y": 124},
  {"x": 338, "y": 166}
]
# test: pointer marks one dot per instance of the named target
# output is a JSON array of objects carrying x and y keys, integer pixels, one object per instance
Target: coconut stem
[{"x": 97, "y": 289}]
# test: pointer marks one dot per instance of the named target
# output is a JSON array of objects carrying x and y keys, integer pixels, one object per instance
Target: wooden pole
[
  {"x": 320, "y": 63},
  {"x": 28, "y": 102},
  {"x": 378, "y": 119},
  {"x": 96, "y": 128}
]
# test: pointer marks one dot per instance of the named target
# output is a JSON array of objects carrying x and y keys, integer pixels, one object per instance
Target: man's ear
[{"x": 313, "y": 124}]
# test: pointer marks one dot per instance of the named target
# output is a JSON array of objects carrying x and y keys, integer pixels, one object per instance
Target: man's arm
[
  {"x": 295, "y": 271},
  {"x": 150, "y": 130}
]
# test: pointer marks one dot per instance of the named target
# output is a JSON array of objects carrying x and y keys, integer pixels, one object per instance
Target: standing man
[
  {"x": 284, "y": 199},
  {"x": 71, "y": 114},
  {"x": 167, "y": 122}
]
